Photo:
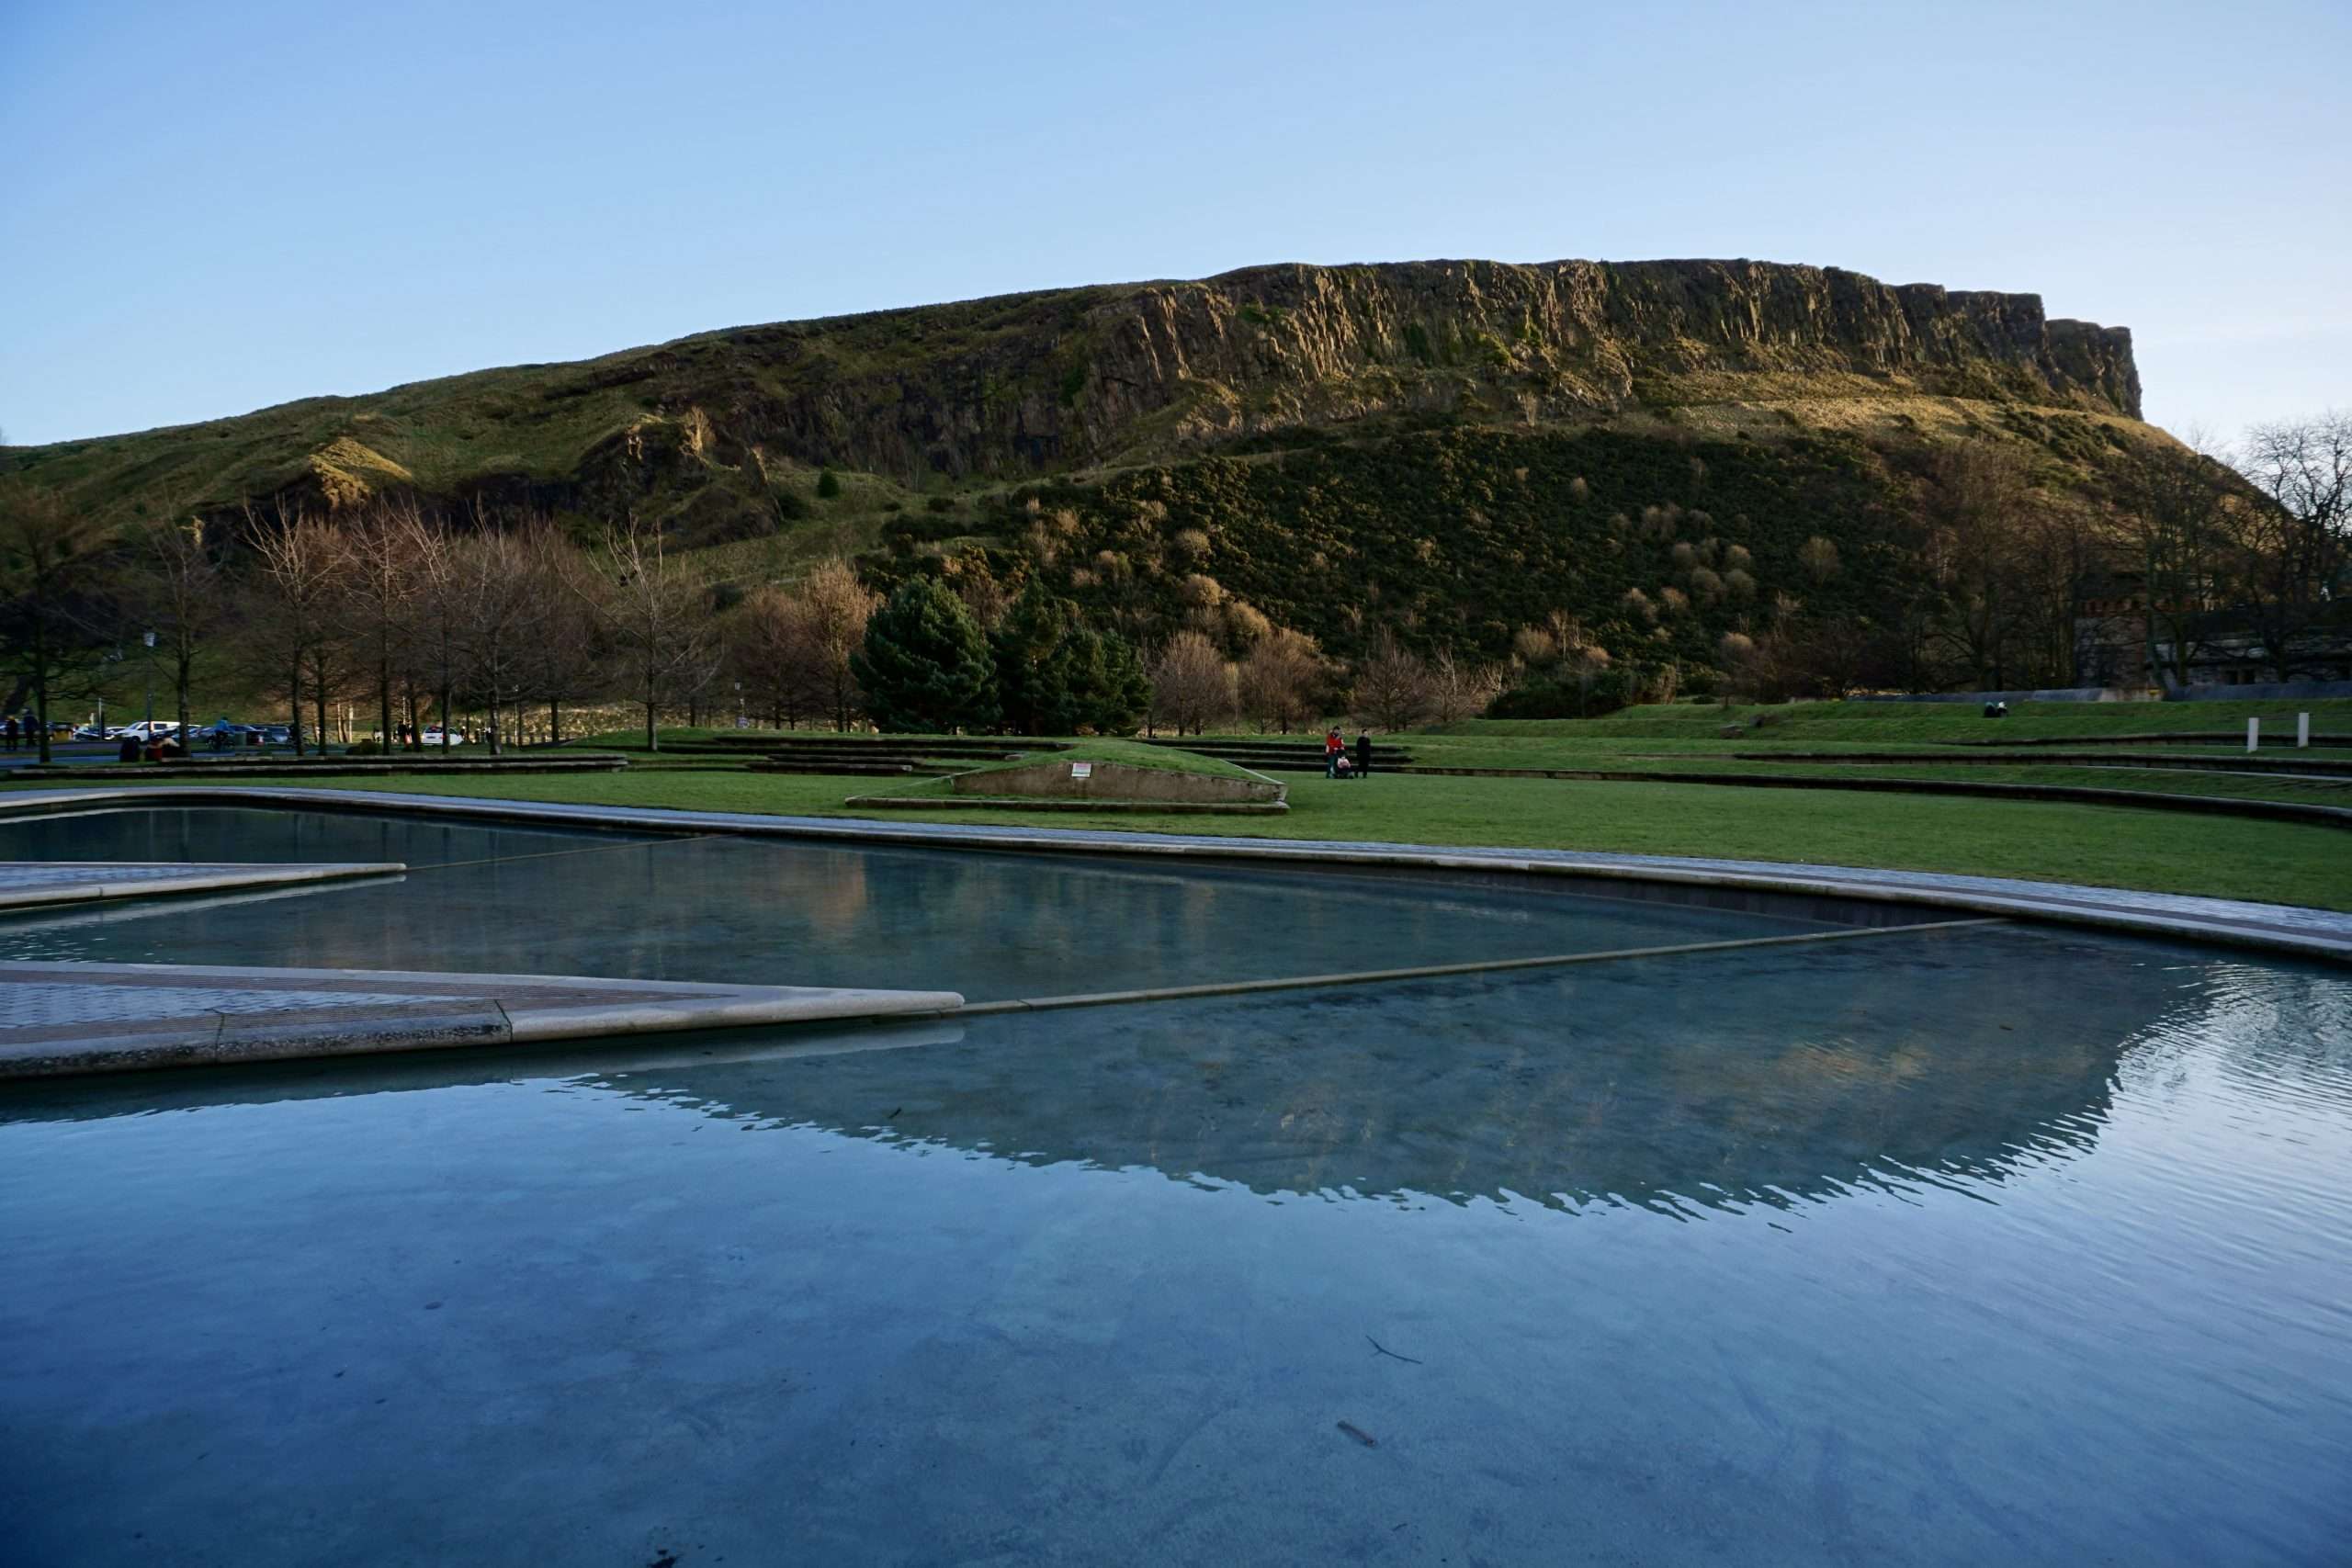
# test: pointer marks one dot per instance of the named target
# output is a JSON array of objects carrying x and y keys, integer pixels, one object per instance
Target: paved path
[
  {"x": 86, "y": 1017},
  {"x": 2316, "y": 933},
  {"x": 31, "y": 883}
]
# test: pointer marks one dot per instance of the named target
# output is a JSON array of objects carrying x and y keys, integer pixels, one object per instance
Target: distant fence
[{"x": 2273, "y": 691}]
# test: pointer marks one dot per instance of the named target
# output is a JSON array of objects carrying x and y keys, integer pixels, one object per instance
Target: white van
[{"x": 141, "y": 731}]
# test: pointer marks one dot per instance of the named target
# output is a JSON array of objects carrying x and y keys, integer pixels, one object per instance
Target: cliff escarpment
[
  {"x": 1033, "y": 384},
  {"x": 709, "y": 432}
]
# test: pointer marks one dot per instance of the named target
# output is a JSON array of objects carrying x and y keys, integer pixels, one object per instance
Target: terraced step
[
  {"x": 775, "y": 740},
  {"x": 848, "y": 769}
]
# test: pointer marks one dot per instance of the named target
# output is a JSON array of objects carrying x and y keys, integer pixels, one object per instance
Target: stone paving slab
[
  {"x": 31, "y": 884},
  {"x": 2279, "y": 928},
  {"x": 86, "y": 1018}
]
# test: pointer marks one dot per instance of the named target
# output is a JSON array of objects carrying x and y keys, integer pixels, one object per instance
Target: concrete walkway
[
  {"x": 34, "y": 882},
  {"x": 88, "y": 1018},
  {"x": 2279, "y": 928}
]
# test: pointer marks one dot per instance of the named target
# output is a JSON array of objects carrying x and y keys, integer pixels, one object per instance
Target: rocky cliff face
[{"x": 1034, "y": 383}]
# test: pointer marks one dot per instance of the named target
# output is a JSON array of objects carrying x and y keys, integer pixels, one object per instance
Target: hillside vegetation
[{"x": 1561, "y": 466}]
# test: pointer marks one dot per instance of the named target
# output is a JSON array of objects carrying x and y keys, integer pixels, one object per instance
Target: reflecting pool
[
  {"x": 768, "y": 911},
  {"x": 1994, "y": 1245}
]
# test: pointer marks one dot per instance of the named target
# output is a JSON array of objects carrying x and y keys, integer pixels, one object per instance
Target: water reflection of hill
[
  {"x": 1731, "y": 1079},
  {"x": 1741, "y": 1078}
]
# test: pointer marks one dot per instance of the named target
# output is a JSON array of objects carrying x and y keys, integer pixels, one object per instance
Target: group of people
[
  {"x": 20, "y": 731},
  {"x": 1338, "y": 764}
]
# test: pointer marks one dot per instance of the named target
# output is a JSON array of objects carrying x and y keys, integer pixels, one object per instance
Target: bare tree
[
  {"x": 560, "y": 661},
  {"x": 499, "y": 607},
  {"x": 1459, "y": 690},
  {"x": 2177, "y": 505},
  {"x": 1191, "y": 684},
  {"x": 431, "y": 639},
  {"x": 1280, "y": 680},
  {"x": 768, "y": 649},
  {"x": 1972, "y": 507},
  {"x": 2293, "y": 548},
  {"x": 293, "y": 615},
  {"x": 1392, "y": 687},
  {"x": 835, "y": 608},
  {"x": 654, "y": 610},
  {"x": 380, "y": 582},
  {"x": 181, "y": 593}
]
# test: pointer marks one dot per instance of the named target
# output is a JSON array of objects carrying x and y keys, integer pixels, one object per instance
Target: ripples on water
[{"x": 1999, "y": 1245}]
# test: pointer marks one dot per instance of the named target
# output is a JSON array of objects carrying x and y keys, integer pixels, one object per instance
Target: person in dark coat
[
  {"x": 1364, "y": 755},
  {"x": 128, "y": 750},
  {"x": 13, "y": 730}
]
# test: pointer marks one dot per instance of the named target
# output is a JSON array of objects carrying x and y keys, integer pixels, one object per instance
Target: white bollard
[
  {"x": 2303, "y": 730},
  {"x": 2253, "y": 733}
]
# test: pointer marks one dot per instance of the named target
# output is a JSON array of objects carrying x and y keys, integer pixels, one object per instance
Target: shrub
[
  {"x": 1603, "y": 694},
  {"x": 829, "y": 484}
]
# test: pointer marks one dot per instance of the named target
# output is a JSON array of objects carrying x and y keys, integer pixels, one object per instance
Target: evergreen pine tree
[
  {"x": 1122, "y": 694},
  {"x": 924, "y": 666},
  {"x": 1031, "y": 650}
]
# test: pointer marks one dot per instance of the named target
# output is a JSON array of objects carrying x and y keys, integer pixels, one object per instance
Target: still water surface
[{"x": 2003, "y": 1244}]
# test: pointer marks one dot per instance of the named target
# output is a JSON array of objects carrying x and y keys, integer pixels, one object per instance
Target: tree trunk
[
  {"x": 384, "y": 695},
  {"x": 653, "y": 740},
  {"x": 40, "y": 681},
  {"x": 297, "y": 692},
  {"x": 554, "y": 721}
]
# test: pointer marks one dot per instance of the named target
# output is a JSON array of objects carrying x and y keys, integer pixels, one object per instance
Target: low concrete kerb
[
  {"x": 2277, "y": 928},
  {"x": 451, "y": 1009},
  {"x": 107, "y": 880}
]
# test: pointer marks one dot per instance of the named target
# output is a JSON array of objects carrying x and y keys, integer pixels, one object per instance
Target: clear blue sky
[{"x": 212, "y": 208}]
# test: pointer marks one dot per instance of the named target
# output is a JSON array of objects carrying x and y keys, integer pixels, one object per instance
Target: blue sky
[{"x": 213, "y": 208}]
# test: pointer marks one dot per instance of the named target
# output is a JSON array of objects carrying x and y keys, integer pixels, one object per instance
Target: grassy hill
[{"x": 1450, "y": 449}]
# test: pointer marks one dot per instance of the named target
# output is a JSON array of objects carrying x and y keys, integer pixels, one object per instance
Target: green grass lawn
[{"x": 2102, "y": 846}]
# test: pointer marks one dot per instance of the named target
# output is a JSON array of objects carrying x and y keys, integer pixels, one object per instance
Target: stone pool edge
[
  {"x": 104, "y": 888},
  {"x": 467, "y": 1009},
  {"x": 2276, "y": 928}
]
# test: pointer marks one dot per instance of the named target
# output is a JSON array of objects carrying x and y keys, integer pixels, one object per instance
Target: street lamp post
[{"x": 150, "y": 685}]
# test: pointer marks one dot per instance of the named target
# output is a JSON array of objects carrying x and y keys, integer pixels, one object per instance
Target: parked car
[
  {"x": 145, "y": 729},
  {"x": 432, "y": 738}
]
